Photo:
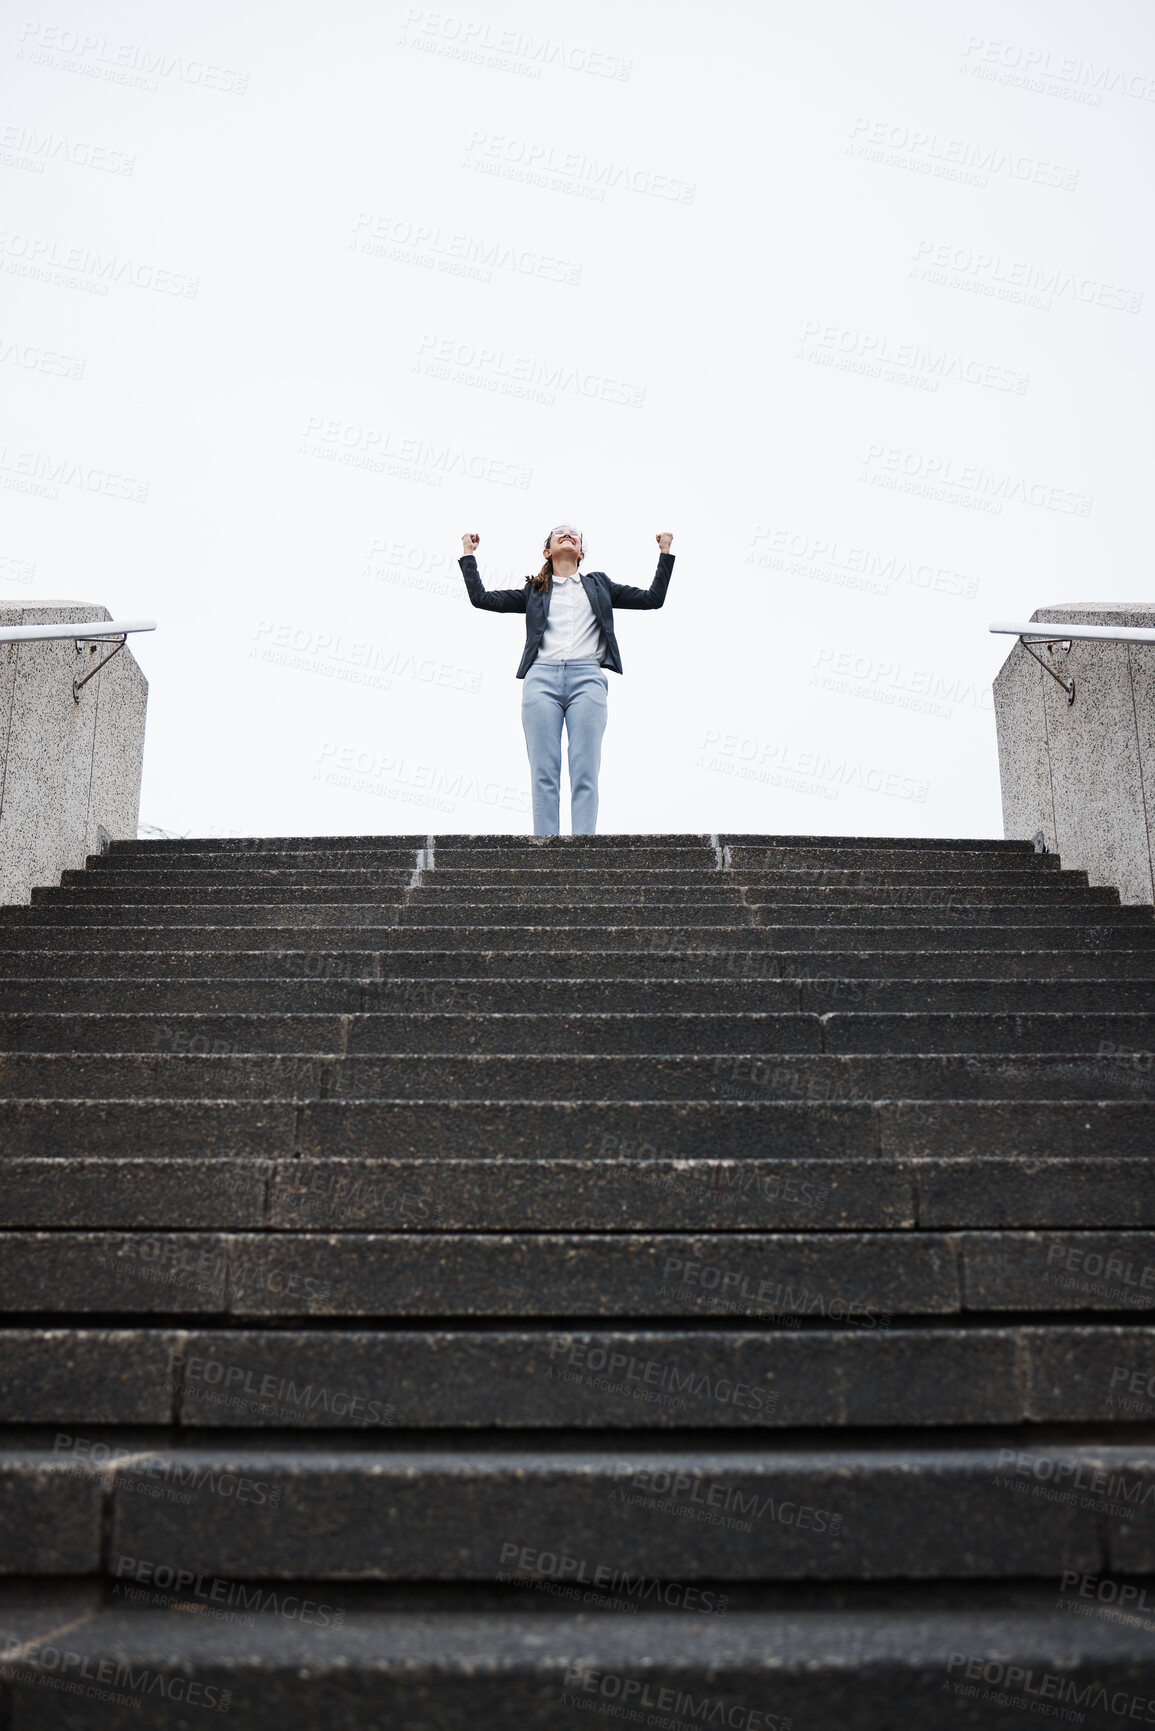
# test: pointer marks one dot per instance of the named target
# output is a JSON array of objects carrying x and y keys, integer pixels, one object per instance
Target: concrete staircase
[{"x": 473, "y": 1282}]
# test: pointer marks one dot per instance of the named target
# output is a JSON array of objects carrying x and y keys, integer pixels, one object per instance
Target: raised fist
[
  {"x": 470, "y": 543},
  {"x": 664, "y": 540}
]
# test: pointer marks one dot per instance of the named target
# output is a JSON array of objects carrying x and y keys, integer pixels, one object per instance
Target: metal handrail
[
  {"x": 1052, "y": 634},
  {"x": 86, "y": 628},
  {"x": 84, "y": 631},
  {"x": 1059, "y": 631}
]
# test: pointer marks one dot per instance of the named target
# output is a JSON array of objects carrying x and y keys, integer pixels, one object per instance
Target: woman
[{"x": 569, "y": 640}]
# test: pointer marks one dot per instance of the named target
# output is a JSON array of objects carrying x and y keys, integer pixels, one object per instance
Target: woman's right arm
[{"x": 494, "y": 600}]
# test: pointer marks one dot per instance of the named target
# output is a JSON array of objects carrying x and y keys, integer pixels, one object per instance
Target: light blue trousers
[{"x": 574, "y": 692}]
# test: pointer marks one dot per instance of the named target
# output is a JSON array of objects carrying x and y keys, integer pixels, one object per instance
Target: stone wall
[
  {"x": 1083, "y": 773},
  {"x": 68, "y": 771}
]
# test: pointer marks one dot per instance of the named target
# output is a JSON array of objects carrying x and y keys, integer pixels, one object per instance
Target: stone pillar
[
  {"x": 69, "y": 771},
  {"x": 1083, "y": 773}
]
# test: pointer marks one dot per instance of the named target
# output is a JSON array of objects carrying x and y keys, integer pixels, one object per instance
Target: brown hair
[{"x": 544, "y": 575}]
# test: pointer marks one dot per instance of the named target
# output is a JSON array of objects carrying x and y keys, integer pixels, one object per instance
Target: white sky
[{"x": 725, "y": 244}]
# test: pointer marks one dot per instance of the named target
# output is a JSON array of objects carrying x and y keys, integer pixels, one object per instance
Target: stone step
[
  {"x": 602, "y": 899},
  {"x": 413, "y": 1276},
  {"x": 141, "y": 1508},
  {"x": 1098, "y": 932},
  {"x": 787, "y": 1073},
  {"x": 520, "y": 853},
  {"x": 1125, "y": 1039},
  {"x": 420, "y": 914},
  {"x": 1004, "y": 891},
  {"x": 455, "y": 1658},
  {"x": 856, "y": 1279},
  {"x": 467, "y": 922},
  {"x": 297, "y": 908},
  {"x": 409, "y": 841},
  {"x": 148, "y": 1128},
  {"x": 689, "y": 1376},
  {"x": 700, "y": 861},
  {"x": 1067, "y": 970},
  {"x": 598, "y": 851},
  {"x": 573, "y": 846},
  {"x": 628, "y": 1184},
  {"x": 330, "y": 993},
  {"x": 761, "y": 842},
  {"x": 108, "y": 872}
]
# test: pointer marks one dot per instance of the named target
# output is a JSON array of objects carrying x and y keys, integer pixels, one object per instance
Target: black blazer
[{"x": 604, "y": 596}]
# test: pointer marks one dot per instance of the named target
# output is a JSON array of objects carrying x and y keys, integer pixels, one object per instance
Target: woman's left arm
[{"x": 626, "y": 595}]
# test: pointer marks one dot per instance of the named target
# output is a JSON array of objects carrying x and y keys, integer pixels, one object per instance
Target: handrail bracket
[
  {"x": 1068, "y": 685},
  {"x": 79, "y": 684}
]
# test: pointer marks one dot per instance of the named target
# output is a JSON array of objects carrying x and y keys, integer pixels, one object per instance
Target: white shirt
[{"x": 571, "y": 631}]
